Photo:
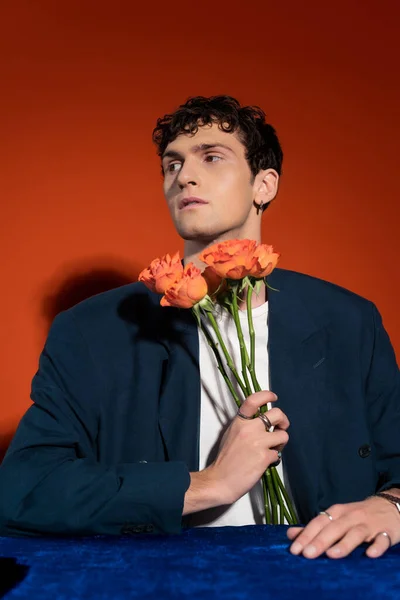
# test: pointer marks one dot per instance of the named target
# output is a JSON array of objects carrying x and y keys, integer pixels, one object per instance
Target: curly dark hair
[{"x": 263, "y": 150}]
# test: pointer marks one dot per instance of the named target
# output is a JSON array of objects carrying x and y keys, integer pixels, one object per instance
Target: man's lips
[{"x": 191, "y": 201}]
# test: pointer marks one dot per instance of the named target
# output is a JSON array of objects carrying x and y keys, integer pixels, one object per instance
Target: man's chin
[{"x": 197, "y": 235}]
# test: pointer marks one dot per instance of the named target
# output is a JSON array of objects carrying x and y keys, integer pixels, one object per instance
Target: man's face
[{"x": 210, "y": 166}]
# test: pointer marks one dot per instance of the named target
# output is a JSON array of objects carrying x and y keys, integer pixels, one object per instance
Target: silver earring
[{"x": 260, "y": 206}]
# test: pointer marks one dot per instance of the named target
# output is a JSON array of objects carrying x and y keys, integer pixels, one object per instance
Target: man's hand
[
  {"x": 246, "y": 451},
  {"x": 352, "y": 524}
]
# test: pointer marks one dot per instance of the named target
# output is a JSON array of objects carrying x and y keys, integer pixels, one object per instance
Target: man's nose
[{"x": 187, "y": 175}]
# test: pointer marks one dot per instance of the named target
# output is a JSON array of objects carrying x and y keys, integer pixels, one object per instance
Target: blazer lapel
[
  {"x": 179, "y": 409},
  {"x": 298, "y": 372}
]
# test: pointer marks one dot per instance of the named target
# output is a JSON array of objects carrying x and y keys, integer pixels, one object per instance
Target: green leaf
[
  {"x": 206, "y": 304},
  {"x": 258, "y": 285},
  {"x": 233, "y": 283},
  {"x": 244, "y": 283},
  {"x": 196, "y": 313},
  {"x": 271, "y": 288},
  {"x": 225, "y": 300}
]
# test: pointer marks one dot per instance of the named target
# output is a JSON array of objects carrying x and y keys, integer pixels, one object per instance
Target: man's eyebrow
[{"x": 196, "y": 149}]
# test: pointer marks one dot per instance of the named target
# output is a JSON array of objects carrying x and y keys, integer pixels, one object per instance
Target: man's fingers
[
  {"x": 379, "y": 546},
  {"x": 351, "y": 525},
  {"x": 278, "y": 418},
  {"x": 353, "y": 538},
  {"x": 251, "y": 405},
  {"x": 277, "y": 439},
  {"x": 318, "y": 535},
  {"x": 305, "y": 537},
  {"x": 293, "y": 532}
]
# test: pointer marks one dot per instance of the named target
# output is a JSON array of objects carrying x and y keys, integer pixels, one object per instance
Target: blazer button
[
  {"x": 364, "y": 451},
  {"x": 129, "y": 528}
]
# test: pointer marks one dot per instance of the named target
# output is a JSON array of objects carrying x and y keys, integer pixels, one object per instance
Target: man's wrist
[
  {"x": 392, "y": 495},
  {"x": 204, "y": 492},
  {"x": 392, "y": 491}
]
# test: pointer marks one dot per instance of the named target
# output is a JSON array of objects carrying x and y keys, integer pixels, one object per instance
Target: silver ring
[
  {"x": 385, "y": 533},
  {"x": 325, "y": 512},
  {"x": 242, "y": 416},
  {"x": 266, "y": 421},
  {"x": 277, "y": 462}
]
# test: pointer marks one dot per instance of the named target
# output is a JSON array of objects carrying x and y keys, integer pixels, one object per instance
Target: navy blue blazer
[{"x": 113, "y": 432}]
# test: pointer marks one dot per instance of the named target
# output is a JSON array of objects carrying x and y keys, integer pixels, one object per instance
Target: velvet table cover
[{"x": 226, "y": 562}]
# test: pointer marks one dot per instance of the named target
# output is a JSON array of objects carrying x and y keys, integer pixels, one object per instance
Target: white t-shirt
[{"x": 218, "y": 409}]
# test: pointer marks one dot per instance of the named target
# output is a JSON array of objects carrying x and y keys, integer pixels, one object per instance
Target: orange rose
[
  {"x": 162, "y": 273},
  {"x": 214, "y": 281},
  {"x": 267, "y": 260},
  {"x": 188, "y": 291},
  {"x": 236, "y": 259},
  {"x": 232, "y": 259}
]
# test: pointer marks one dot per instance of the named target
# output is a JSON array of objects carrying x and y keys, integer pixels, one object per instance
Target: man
[{"x": 116, "y": 440}]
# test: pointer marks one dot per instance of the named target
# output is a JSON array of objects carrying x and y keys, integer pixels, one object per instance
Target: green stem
[
  {"x": 274, "y": 500},
  {"x": 220, "y": 364},
  {"x": 228, "y": 358},
  {"x": 275, "y": 481},
  {"x": 243, "y": 351},
  {"x": 266, "y": 500},
  {"x": 274, "y": 492},
  {"x": 275, "y": 477},
  {"x": 293, "y": 518},
  {"x": 286, "y": 514}
]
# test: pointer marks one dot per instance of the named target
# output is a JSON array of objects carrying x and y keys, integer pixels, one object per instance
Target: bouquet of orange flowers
[{"x": 233, "y": 267}]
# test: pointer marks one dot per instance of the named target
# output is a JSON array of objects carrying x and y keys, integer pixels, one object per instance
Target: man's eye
[
  {"x": 213, "y": 156},
  {"x": 171, "y": 167}
]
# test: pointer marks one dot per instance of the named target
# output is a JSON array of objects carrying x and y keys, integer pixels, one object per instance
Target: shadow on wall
[
  {"x": 5, "y": 439},
  {"x": 75, "y": 283}
]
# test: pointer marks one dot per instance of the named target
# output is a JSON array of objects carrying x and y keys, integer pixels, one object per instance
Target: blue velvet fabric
[{"x": 227, "y": 562}]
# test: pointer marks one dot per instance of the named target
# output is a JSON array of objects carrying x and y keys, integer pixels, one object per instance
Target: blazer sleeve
[
  {"x": 51, "y": 481},
  {"x": 383, "y": 399}
]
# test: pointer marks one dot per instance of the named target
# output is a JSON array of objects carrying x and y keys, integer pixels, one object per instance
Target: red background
[{"x": 83, "y": 83}]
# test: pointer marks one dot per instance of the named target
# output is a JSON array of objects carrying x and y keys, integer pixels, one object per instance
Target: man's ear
[{"x": 265, "y": 186}]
